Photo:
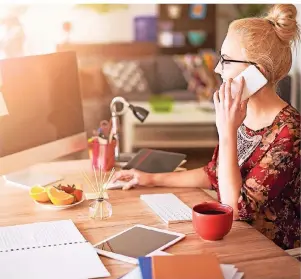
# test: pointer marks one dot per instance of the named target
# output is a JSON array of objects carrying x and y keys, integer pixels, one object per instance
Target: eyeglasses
[{"x": 223, "y": 61}]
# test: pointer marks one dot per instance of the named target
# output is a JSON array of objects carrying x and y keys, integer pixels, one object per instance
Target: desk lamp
[{"x": 139, "y": 112}]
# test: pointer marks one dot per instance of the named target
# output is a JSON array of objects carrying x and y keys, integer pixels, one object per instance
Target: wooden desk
[{"x": 245, "y": 247}]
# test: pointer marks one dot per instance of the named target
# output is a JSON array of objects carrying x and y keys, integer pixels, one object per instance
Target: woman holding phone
[{"x": 256, "y": 166}]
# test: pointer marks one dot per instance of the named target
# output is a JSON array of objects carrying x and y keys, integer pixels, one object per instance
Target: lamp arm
[
  {"x": 139, "y": 112},
  {"x": 115, "y": 121},
  {"x": 121, "y": 100}
]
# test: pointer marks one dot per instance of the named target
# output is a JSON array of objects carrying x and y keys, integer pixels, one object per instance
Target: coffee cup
[{"x": 212, "y": 220}]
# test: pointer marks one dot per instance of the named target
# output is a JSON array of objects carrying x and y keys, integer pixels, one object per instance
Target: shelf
[{"x": 184, "y": 24}]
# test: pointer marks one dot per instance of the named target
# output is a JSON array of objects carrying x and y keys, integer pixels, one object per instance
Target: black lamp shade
[{"x": 139, "y": 112}]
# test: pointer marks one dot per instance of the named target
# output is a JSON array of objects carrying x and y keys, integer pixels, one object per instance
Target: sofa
[{"x": 161, "y": 76}]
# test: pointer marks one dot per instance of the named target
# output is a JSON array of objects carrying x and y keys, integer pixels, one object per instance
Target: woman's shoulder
[
  {"x": 291, "y": 114},
  {"x": 285, "y": 128},
  {"x": 289, "y": 119}
]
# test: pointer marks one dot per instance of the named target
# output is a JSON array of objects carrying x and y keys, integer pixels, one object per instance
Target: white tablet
[{"x": 137, "y": 241}]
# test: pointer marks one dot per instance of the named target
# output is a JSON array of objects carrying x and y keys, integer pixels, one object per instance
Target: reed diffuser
[{"x": 100, "y": 207}]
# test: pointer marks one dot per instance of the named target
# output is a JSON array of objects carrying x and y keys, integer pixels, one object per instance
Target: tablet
[
  {"x": 137, "y": 241},
  {"x": 155, "y": 161}
]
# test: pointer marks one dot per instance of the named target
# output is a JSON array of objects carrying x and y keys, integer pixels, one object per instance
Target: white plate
[{"x": 50, "y": 205}]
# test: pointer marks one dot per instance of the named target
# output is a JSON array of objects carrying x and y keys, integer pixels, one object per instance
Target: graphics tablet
[{"x": 137, "y": 241}]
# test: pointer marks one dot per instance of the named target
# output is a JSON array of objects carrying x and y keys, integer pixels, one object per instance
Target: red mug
[{"x": 212, "y": 220}]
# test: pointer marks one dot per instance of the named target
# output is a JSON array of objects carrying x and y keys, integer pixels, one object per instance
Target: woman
[{"x": 256, "y": 166}]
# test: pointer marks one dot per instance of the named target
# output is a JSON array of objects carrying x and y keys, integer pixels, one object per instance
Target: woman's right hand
[{"x": 133, "y": 178}]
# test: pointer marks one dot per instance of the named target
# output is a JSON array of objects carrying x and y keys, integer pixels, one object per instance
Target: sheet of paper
[
  {"x": 228, "y": 270},
  {"x": 238, "y": 275},
  {"x": 134, "y": 274},
  {"x": 39, "y": 235},
  {"x": 75, "y": 261}
]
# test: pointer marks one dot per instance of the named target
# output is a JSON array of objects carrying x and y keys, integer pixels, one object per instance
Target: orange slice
[
  {"x": 58, "y": 197},
  {"x": 39, "y": 193}
]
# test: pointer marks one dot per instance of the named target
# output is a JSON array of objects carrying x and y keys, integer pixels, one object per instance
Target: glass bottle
[{"x": 100, "y": 209}]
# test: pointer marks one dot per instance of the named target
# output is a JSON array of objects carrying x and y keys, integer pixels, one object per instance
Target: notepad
[
  {"x": 186, "y": 266},
  {"x": 48, "y": 250}
]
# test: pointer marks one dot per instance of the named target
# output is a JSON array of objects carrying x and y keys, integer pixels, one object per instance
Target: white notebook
[{"x": 48, "y": 250}]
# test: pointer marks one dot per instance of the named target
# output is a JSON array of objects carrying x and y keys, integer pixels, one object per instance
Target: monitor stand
[{"x": 31, "y": 177}]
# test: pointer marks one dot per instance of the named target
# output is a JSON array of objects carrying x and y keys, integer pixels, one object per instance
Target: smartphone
[{"x": 254, "y": 80}]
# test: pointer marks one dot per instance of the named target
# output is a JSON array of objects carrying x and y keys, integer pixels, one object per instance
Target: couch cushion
[
  {"x": 148, "y": 66},
  {"x": 125, "y": 77},
  {"x": 201, "y": 80},
  {"x": 169, "y": 75}
]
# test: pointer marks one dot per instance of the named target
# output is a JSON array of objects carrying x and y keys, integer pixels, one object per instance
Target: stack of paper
[{"x": 183, "y": 266}]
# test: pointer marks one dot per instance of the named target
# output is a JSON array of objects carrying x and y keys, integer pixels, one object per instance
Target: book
[
  {"x": 155, "y": 161},
  {"x": 145, "y": 264},
  {"x": 192, "y": 266},
  {"x": 45, "y": 250}
]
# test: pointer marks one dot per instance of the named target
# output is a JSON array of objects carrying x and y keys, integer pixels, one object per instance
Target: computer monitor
[{"x": 45, "y": 115}]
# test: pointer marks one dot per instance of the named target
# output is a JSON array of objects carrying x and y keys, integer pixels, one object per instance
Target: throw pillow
[
  {"x": 125, "y": 77},
  {"x": 201, "y": 80},
  {"x": 147, "y": 65},
  {"x": 169, "y": 74}
]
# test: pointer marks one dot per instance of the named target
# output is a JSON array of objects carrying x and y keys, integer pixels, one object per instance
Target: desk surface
[{"x": 245, "y": 247}]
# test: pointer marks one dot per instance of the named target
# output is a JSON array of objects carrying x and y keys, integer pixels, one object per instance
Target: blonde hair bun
[{"x": 283, "y": 17}]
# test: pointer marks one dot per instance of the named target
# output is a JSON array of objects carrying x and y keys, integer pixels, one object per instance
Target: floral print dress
[{"x": 270, "y": 195}]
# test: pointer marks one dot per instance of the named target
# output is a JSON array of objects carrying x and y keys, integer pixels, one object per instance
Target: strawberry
[
  {"x": 78, "y": 194},
  {"x": 68, "y": 189}
]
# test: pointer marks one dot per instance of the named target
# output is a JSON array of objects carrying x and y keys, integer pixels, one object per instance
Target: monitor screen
[{"x": 42, "y": 96}]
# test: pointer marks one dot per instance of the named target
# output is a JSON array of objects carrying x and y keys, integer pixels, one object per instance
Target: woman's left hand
[{"x": 230, "y": 113}]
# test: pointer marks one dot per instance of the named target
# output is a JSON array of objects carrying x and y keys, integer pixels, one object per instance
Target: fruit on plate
[
  {"x": 39, "y": 193},
  {"x": 74, "y": 189},
  {"x": 58, "y": 197}
]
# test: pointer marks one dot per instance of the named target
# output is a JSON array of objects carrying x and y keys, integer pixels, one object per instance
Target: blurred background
[{"x": 160, "y": 56}]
